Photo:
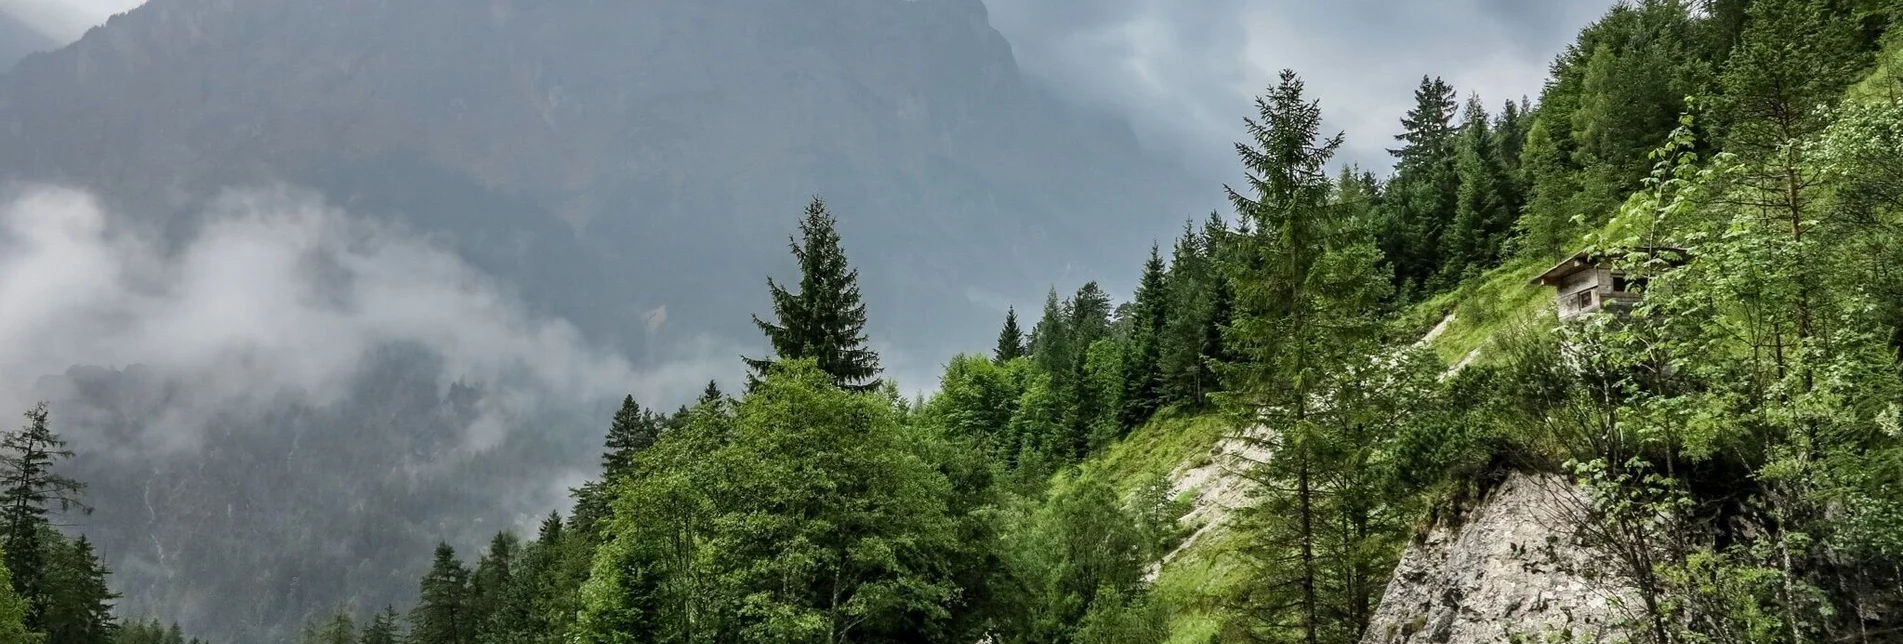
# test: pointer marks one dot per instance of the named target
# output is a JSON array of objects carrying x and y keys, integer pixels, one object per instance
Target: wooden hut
[{"x": 1587, "y": 283}]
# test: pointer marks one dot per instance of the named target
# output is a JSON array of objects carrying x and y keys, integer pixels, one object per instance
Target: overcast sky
[{"x": 1184, "y": 71}]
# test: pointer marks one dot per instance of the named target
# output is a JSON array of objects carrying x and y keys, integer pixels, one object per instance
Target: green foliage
[
  {"x": 1010, "y": 339},
  {"x": 1421, "y": 198},
  {"x": 29, "y": 489},
  {"x": 383, "y": 629},
  {"x": 339, "y": 629},
  {"x": 1078, "y": 557},
  {"x": 1197, "y": 309},
  {"x": 1483, "y": 208},
  {"x": 443, "y": 614},
  {"x": 1142, "y": 373},
  {"x": 824, "y": 322},
  {"x": 13, "y": 614},
  {"x": 811, "y": 518}
]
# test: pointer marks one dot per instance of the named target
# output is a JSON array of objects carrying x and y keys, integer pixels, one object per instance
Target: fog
[{"x": 278, "y": 297}]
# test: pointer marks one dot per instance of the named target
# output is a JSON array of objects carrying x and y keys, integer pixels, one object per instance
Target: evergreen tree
[
  {"x": 1509, "y": 143},
  {"x": 382, "y": 628},
  {"x": 1142, "y": 369},
  {"x": 1420, "y": 199},
  {"x": 78, "y": 600},
  {"x": 442, "y": 614},
  {"x": 1545, "y": 228},
  {"x": 1179, "y": 359},
  {"x": 1794, "y": 57},
  {"x": 1481, "y": 214},
  {"x": 1090, "y": 402},
  {"x": 711, "y": 394},
  {"x": 825, "y": 321},
  {"x": 634, "y": 429},
  {"x": 817, "y": 522},
  {"x": 13, "y": 612},
  {"x": 490, "y": 585},
  {"x": 28, "y": 490},
  {"x": 1307, "y": 300},
  {"x": 1010, "y": 339},
  {"x": 1050, "y": 347},
  {"x": 339, "y": 629}
]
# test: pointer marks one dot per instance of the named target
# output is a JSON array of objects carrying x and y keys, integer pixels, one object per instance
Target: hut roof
[{"x": 1585, "y": 260}]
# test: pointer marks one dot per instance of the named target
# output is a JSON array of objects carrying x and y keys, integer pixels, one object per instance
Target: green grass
[
  {"x": 1197, "y": 585},
  {"x": 1482, "y": 308},
  {"x": 1885, "y": 81},
  {"x": 1160, "y": 447}
]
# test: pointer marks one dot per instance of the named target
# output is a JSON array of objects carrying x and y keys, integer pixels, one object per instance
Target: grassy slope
[
  {"x": 1200, "y": 579},
  {"x": 1204, "y": 576}
]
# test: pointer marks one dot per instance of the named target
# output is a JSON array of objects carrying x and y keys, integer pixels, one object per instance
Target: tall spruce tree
[
  {"x": 1179, "y": 360},
  {"x": 634, "y": 430},
  {"x": 1142, "y": 368},
  {"x": 825, "y": 321},
  {"x": 490, "y": 586},
  {"x": 1307, "y": 298},
  {"x": 1010, "y": 339},
  {"x": 78, "y": 600},
  {"x": 442, "y": 614},
  {"x": 29, "y": 489},
  {"x": 1050, "y": 346},
  {"x": 1481, "y": 213},
  {"x": 1420, "y": 199},
  {"x": 382, "y": 628}
]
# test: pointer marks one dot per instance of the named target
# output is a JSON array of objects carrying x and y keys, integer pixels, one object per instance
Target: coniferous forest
[{"x": 1735, "y": 437}]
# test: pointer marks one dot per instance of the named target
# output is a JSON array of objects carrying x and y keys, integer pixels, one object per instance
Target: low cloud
[{"x": 278, "y": 297}]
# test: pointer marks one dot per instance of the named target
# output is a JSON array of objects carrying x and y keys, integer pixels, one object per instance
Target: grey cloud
[
  {"x": 279, "y": 296},
  {"x": 1185, "y": 71}
]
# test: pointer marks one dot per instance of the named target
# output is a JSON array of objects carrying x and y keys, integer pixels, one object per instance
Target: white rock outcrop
[{"x": 1506, "y": 572}]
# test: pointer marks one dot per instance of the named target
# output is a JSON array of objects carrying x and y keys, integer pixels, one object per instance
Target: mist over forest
[{"x": 1013, "y": 321}]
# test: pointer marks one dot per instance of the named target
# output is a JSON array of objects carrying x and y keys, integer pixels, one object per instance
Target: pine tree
[
  {"x": 28, "y": 490},
  {"x": 1307, "y": 302},
  {"x": 1142, "y": 369},
  {"x": 1090, "y": 402},
  {"x": 1050, "y": 338},
  {"x": 825, "y": 321},
  {"x": 1545, "y": 228},
  {"x": 1420, "y": 199},
  {"x": 1481, "y": 214},
  {"x": 633, "y": 430},
  {"x": 339, "y": 629},
  {"x": 711, "y": 394},
  {"x": 382, "y": 629},
  {"x": 491, "y": 583},
  {"x": 1010, "y": 339},
  {"x": 13, "y": 609},
  {"x": 442, "y": 614},
  {"x": 78, "y": 600}
]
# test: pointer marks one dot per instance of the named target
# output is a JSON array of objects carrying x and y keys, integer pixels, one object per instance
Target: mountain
[
  {"x": 632, "y": 167},
  {"x": 613, "y": 158},
  {"x": 17, "y": 40}
]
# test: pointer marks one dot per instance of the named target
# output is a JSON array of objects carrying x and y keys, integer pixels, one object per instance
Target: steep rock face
[
  {"x": 668, "y": 143},
  {"x": 1507, "y": 572}
]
